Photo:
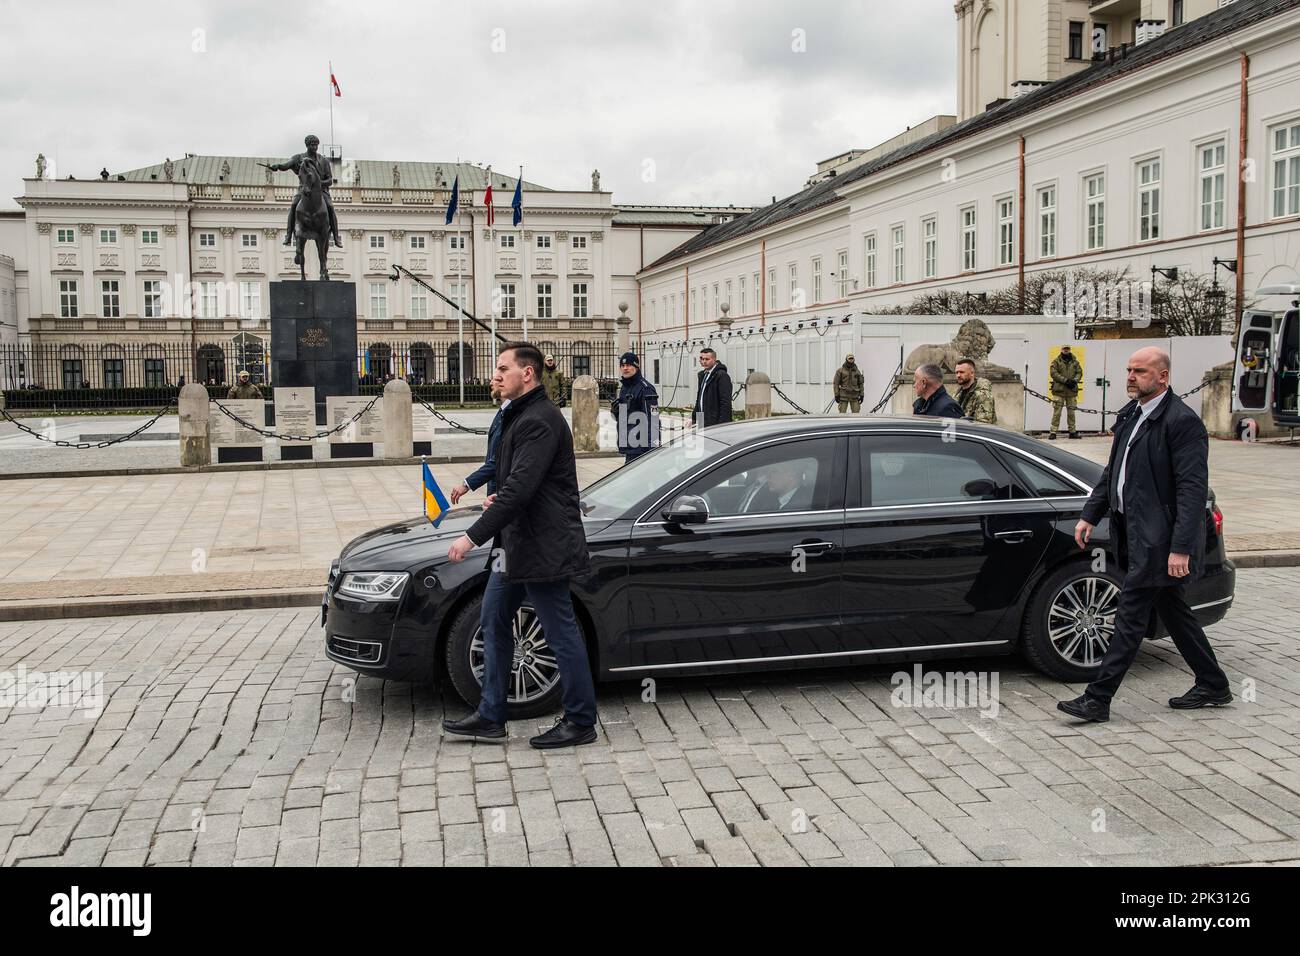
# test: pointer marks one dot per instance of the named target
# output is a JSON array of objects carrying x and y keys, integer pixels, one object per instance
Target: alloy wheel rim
[
  {"x": 534, "y": 672},
  {"x": 1081, "y": 620}
]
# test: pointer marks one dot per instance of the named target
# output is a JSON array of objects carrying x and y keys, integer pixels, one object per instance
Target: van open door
[
  {"x": 1253, "y": 375},
  {"x": 1286, "y": 384}
]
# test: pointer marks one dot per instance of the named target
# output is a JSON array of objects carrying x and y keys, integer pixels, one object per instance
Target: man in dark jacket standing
[
  {"x": 534, "y": 519},
  {"x": 1154, "y": 489},
  {"x": 931, "y": 397},
  {"x": 486, "y": 473},
  {"x": 712, "y": 392},
  {"x": 635, "y": 410}
]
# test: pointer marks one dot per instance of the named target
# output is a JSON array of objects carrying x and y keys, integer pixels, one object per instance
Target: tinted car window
[
  {"x": 919, "y": 469},
  {"x": 782, "y": 478},
  {"x": 613, "y": 495},
  {"x": 1039, "y": 481}
]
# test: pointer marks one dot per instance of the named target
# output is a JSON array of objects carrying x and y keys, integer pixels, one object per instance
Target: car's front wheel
[
  {"x": 534, "y": 673},
  {"x": 1070, "y": 621}
]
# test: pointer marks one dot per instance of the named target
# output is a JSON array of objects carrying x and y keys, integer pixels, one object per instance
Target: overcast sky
[{"x": 710, "y": 101}]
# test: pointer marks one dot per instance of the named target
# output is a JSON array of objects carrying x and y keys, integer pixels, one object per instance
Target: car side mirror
[
  {"x": 687, "y": 509},
  {"x": 979, "y": 489}
]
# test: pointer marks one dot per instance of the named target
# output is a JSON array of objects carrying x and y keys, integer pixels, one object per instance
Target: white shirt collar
[{"x": 1146, "y": 408}]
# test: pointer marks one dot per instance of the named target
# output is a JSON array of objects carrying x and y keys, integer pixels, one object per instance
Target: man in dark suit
[
  {"x": 931, "y": 397},
  {"x": 534, "y": 519},
  {"x": 486, "y": 473},
  {"x": 1154, "y": 489},
  {"x": 712, "y": 392}
]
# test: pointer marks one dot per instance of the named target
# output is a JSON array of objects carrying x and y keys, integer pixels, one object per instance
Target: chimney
[
  {"x": 1022, "y": 87},
  {"x": 1148, "y": 30}
]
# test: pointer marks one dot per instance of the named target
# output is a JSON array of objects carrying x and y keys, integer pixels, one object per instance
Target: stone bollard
[
  {"x": 758, "y": 396},
  {"x": 397, "y": 412},
  {"x": 623, "y": 329},
  {"x": 193, "y": 409},
  {"x": 585, "y": 402}
]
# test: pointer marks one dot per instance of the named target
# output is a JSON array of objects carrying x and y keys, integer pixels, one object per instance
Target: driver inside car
[{"x": 777, "y": 492}]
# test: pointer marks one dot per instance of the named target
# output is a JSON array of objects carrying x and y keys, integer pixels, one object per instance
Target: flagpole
[
  {"x": 331, "y": 98},
  {"x": 524, "y": 253},
  {"x": 460, "y": 297}
]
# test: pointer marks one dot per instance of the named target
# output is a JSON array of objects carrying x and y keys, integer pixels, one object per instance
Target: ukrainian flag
[{"x": 435, "y": 503}]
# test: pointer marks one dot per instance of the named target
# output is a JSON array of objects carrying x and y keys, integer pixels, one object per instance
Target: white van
[{"x": 1267, "y": 377}]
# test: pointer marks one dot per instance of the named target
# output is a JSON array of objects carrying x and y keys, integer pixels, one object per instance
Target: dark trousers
[
  {"x": 1133, "y": 620},
  {"x": 554, "y": 607},
  {"x": 632, "y": 454}
]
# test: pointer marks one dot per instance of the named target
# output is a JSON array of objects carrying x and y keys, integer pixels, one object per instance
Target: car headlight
[{"x": 374, "y": 585}]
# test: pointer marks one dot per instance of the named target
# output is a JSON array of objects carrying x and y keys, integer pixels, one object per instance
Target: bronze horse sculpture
[{"x": 312, "y": 220}]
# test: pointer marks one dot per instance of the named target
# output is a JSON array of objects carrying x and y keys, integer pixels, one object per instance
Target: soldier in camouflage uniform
[
  {"x": 1066, "y": 374},
  {"x": 975, "y": 395},
  {"x": 847, "y": 386},
  {"x": 553, "y": 381},
  {"x": 244, "y": 388}
]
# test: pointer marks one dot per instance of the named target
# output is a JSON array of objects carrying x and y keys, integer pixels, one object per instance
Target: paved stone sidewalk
[
  {"x": 228, "y": 738},
  {"x": 182, "y": 533}
]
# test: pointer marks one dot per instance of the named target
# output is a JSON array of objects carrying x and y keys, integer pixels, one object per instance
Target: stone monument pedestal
[{"x": 314, "y": 338}]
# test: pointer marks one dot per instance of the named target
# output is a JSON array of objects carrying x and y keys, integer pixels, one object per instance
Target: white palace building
[
  {"x": 1108, "y": 134},
  {"x": 1179, "y": 145}
]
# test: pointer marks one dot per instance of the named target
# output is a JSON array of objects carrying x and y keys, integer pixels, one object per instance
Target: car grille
[{"x": 362, "y": 652}]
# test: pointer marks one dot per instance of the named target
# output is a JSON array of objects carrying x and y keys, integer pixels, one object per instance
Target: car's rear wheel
[
  {"x": 534, "y": 673},
  {"x": 1070, "y": 621}
]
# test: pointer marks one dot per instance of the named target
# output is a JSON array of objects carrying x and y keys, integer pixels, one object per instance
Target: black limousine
[{"x": 772, "y": 544}]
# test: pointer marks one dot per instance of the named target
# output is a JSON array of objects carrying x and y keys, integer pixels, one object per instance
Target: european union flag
[
  {"x": 435, "y": 503},
  {"x": 517, "y": 204},
  {"x": 455, "y": 201}
]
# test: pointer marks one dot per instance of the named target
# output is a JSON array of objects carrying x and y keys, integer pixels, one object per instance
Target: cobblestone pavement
[{"x": 228, "y": 738}]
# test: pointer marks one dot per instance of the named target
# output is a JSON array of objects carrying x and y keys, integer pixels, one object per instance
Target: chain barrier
[
  {"x": 454, "y": 424},
  {"x": 84, "y": 444},
  {"x": 270, "y": 434},
  {"x": 789, "y": 401},
  {"x": 1113, "y": 411}
]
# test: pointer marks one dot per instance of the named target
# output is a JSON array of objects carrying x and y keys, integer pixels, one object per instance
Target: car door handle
[
  {"x": 816, "y": 547},
  {"x": 1015, "y": 536}
]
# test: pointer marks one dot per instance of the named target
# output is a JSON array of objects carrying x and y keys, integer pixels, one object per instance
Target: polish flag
[
  {"x": 487, "y": 201},
  {"x": 335, "y": 84}
]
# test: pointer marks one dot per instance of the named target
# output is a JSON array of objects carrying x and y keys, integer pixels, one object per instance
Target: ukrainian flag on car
[{"x": 435, "y": 503}]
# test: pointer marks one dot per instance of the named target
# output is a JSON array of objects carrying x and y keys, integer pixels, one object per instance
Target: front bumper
[{"x": 391, "y": 640}]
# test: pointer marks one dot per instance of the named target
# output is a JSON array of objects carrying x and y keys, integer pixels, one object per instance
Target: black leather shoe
[
  {"x": 1200, "y": 696},
  {"x": 1085, "y": 708},
  {"x": 476, "y": 727},
  {"x": 1051, "y": 436},
  {"x": 565, "y": 733},
  {"x": 1074, "y": 434}
]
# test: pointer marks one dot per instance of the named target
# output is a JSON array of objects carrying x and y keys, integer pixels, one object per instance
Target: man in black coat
[
  {"x": 635, "y": 410},
  {"x": 1154, "y": 489},
  {"x": 712, "y": 392},
  {"x": 931, "y": 397},
  {"x": 534, "y": 520}
]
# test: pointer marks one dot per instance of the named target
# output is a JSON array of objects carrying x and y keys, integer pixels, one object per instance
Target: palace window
[
  {"x": 898, "y": 239},
  {"x": 545, "y": 301},
  {"x": 1286, "y": 171},
  {"x": 969, "y": 239},
  {"x": 869, "y": 260},
  {"x": 580, "y": 300},
  {"x": 1047, "y": 222},
  {"x": 112, "y": 299},
  {"x": 108, "y": 236},
  {"x": 148, "y": 237},
  {"x": 930, "y": 247},
  {"x": 1212, "y": 167},
  {"x": 1148, "y": 183},
  {"x": 1094, "y": 217},
  {"x": 153, "y": 299},
  {"x": 1006, "y": 231},
  {"x": 248, "y": 240}
]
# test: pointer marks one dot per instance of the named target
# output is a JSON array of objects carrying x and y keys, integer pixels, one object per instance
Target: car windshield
[{"x": 613, "y": 495}]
